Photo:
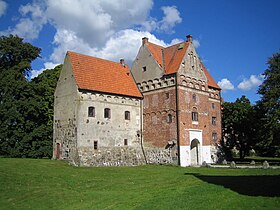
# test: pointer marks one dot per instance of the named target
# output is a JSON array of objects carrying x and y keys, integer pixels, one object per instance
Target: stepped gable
[
  {"x": 101, "y": 75},
  {"x": 173, "y": 56}
]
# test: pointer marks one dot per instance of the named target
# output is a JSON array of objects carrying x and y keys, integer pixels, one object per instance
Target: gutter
[
  {"x": 177, "y": 119},
  {"x": 141, "y": 130}
]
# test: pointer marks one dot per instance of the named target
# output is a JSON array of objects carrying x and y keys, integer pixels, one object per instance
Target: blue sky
[{"x": 234, "y": 38}]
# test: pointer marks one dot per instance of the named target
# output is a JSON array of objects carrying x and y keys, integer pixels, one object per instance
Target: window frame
[
  {"x": 91, "y": 111},
  {"x": 95, "y": 145},
  {"x": 169, "y": 118},
  {"x": 107, "y": 113},
  {"x": 214, "y": 136},
  {"x": 214, "y": 120},
  {"x": 127, "y": 115},
  {"x": 194, "y": 116}
]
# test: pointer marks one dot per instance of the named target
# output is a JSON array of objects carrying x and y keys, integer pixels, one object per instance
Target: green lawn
[{"x": 47, "y": 184}]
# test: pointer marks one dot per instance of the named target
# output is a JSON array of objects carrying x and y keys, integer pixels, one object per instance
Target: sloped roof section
[
  {"x": 170, "y": 58},
  {"x": 211, "y": 82},
  {"x": 101, "y": 75}
]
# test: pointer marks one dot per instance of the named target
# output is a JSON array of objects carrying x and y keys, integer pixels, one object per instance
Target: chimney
[
  {"x": 189, "y": 38},
  {"x": 144, "y": 40},
  {"x": 122, "y": 62}
]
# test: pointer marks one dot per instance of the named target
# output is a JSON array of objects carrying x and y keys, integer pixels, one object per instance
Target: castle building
[
  {"x": 166, "y": 110},
  {"x": 182, "y": 102},
  {"x": 97, "y": 113}
]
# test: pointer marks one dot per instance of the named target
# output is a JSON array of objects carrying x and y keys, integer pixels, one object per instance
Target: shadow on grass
[{"x": 268, "y": 186}]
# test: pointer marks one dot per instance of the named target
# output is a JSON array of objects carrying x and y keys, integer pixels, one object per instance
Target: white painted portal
[{"x": 192, "y": 157}]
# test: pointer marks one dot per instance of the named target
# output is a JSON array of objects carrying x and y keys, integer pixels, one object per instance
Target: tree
[
  {"x": 42, "y": 105},
  {"x": 269, "y": 109},
  {"x": 15, "y": 63},
  {"x": 26, "y": 107},
  {"x": 237, "y": 126}
]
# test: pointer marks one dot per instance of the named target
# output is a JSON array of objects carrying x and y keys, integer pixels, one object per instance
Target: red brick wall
[
  {"x": 157, "y": 106},
  {"x": 157, "y": 131},
  {"x": 203, "y": 106}
]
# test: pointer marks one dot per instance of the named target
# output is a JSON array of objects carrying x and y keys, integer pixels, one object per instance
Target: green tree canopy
[
  {"x": 269, "y": 109},
  {"x": 237, "y": 125},
  {"x": 26, "y": 107}
]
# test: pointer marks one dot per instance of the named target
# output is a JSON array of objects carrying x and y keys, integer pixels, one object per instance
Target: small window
[
  {"x": 169, "y": 118},
  {"x": 107, "y": 113},
  {"x": 144, "y": 68},
  {"x": 194, "y": 98},
  {"x": 214, "y": 120},
  {"x": 91, "y": 111},
  {"x": 194, "y": 116},
  {"x": 166, "y": 95},
  {"x": 125, "y": 142},
  {"x": 214, "y": 136},
  {"x": 213, "y": 106},
  {"x": 95, "y": 145},
  {"x": 127, "y": 115}
]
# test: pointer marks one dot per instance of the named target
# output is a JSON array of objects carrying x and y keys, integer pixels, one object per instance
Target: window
[
  {"x": 194, "y": 116},
  {"x": 144, "y": 68},
  {"x": 214, "y": 120},
  {"x": 166, "y": 95},
  {"x": 169, "y": 118},
  {"x": 213, "y": 106},
  {"x": 91, "y": 111},
  {"x": 107, "y": 113},
  {"x": 95, "y": 145},
  {"x": 127, "y": 115},
  {"x": 125, "y": 142},
  {"x": 214, "y": 136},
  {"x": 194, "y": 98}
]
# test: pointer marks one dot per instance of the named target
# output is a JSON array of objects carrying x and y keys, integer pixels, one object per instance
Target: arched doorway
[
  {"x": 195, "y": 152},
  {"x": 57, "y": 152}
]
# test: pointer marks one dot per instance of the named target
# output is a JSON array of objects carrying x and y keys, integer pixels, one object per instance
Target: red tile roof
[
  {"x": 102, "y": 75},
  {"x": 173, "y": 57}
]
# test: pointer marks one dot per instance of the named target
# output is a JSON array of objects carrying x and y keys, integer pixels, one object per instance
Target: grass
[{"x": 47, "y": 184}]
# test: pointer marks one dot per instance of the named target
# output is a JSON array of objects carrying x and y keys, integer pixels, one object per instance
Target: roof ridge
[{"x": 103, "y": 59}]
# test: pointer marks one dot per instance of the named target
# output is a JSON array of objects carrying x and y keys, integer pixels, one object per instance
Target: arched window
[
  {"x": 107, "y": 113},
  {"x": 127, "y": 115},
  {"x": 194, "y": 98},
  {"x": 91, "y": 111},
  {"x": 214, "y": 120},
  {"x": 214, "y": 136},
  {"x": 194, "y": 115},
  {"x": 169, "y": 118}
]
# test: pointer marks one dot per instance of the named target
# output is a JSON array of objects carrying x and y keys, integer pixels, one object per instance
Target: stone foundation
[
  {"x": 122, "y": 156},
  {"x": 159, "y": 156},
  {"x": 116, "y": 156}
]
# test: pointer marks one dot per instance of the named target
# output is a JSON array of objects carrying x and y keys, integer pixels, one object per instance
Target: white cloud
[
  {"x": 225, "y": 84},
  {"x": 124, "y": 44},
  {"x": 47, "y": 65},
  {"x": 31, "y": 23},
  {"x": 171, "y": 18},
  {"x": 103, "y": 28},
  {"x": 3, "y": 7},
  {"x": 196, "y": 43},
  {"x": 252, "y": 82}
]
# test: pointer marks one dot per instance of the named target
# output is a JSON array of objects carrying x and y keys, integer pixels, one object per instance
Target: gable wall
[
  {"x": 65, "y": 114},
  {"x": 145, "y": 58}
]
